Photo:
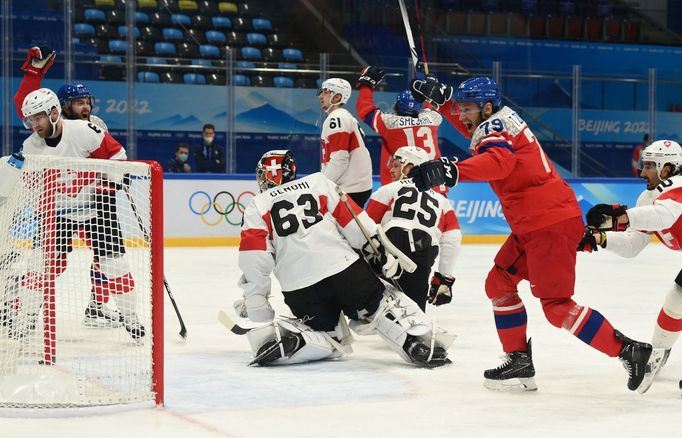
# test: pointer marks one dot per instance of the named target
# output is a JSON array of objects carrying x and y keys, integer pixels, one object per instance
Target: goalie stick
[
  {"x": 183, "y": 329},
  {"x": 232, "y": 326}
]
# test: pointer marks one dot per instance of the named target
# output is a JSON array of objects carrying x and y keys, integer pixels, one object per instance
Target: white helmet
[
  {"x": 410, "y": 155},
  {"x": 39, "y": 101},
  {"x": 664, "y": 152},
  {"x": 337, "y": 86}
]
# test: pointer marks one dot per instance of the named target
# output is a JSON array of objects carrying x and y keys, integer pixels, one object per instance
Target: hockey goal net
[{"x": 81, "y": 284}]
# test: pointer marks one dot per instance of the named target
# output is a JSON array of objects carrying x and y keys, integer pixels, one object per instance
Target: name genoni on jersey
[{"x": 281, "y": 190}]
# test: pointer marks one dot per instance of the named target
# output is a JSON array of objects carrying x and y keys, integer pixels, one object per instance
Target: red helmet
[{"x": 275, "y": 168}]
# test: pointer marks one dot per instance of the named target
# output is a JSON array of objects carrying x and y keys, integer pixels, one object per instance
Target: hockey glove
[
  {"x": 381, "y": 262},
  {"x": 39, "y": 59},
  {"x": 589, "y": 241},
  {"x": 240, "y": 308},
  {"x": 604, "y": 217},
  {"x": 434, "y": 173},
  {"x": 431, "y": 90},
  {"x": 440, "y": 291},
  {"x": 371, "y": 76}
]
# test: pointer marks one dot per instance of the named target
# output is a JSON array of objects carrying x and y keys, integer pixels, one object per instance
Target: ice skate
[
  {"x": 516, "y": 373},
  {"x": 419, "y": 352},
  {"x": 133, "y": 326},
  {"x": 101, "y": 315},
  {"x": 634, "y": 356},
  {"x": 658, "y": 358},
  {"x": 274, "y": 349}
]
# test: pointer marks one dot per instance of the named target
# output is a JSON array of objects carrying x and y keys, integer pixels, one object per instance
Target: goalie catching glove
[
  {"x": 604, "y": 217},
  {"x": 440, "y": 291},
  {"x": 434, "y": 173},
  {"x": 370, "y": 76},
  {"x": 39, "y": 59}
]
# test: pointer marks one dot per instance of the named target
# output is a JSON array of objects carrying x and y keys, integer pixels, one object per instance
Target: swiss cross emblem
[
  {"x": 667, "y": 143},
  {"x": 273, "y": 168}
]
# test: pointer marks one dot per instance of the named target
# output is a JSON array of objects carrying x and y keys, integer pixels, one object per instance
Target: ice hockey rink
[{"x": 210, "y": 391}]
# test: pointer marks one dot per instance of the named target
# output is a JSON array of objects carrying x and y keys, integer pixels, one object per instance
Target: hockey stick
[
  {"x": 422, "y": 46},
  {"x": 183, "y": 329},
  {"x": 232, "y": 326},
  {"x": 408, "y": 32}
]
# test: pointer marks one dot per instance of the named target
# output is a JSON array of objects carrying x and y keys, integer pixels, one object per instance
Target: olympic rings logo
[{"x": 223, "y": 204}]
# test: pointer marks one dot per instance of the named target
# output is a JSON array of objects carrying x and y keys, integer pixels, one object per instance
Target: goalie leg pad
[{"x": 311, "y": 345}]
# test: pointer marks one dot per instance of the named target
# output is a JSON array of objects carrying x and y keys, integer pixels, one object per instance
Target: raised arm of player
[{"x": 39, "y": 59}]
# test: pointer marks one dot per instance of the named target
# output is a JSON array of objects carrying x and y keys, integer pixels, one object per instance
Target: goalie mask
[
  {"x": 275, "y": 168},
  {"x": 663, "y": 152},
  {"x": 408, "y": 155}
]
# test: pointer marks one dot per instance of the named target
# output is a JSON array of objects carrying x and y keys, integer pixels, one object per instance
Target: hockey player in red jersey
[
  {"x": 422, "y": 225},
  {"x": 301, "y": 230},
  {"x": 92, "y": 200},
  {"x": 659, "y": 212},
  {"x": 77, "y": 104},
  {"x": 345, "y": 159},
  {"x": 410, "y": 125},
  {"x": 546, "y": 226}
]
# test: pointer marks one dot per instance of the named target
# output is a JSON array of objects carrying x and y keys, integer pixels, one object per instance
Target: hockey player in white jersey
[
  {"x": 303, "y": 232},
  {"x": 658, "y": 212},
  {"x": 419, "y": 224},
  {"x": 345, "y": 159},
  {"x": 87, "y": 202}
]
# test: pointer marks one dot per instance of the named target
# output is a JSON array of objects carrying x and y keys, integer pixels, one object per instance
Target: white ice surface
[{"x": 211, "y": 392}]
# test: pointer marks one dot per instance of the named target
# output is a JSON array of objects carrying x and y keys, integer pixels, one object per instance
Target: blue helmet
[
  {"x": 406, "y": 105},
  {"x": 69, "y": 92},
  {"x": 479, "y": 90}
]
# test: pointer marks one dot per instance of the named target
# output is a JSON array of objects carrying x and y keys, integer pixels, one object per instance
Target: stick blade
[{"x": 232, "y": 326}]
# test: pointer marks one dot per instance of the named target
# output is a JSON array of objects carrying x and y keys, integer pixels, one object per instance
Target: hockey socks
[
  {"x": 511, "y": 321},
  {"x": 596, "y": 331}
]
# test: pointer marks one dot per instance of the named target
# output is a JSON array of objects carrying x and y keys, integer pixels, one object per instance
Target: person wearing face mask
[
  {"x": 208, "y": 156},
  {"x": 627, "y": 231},
  {"x": 546, "y": 227},
  {"x": 179, "y": 164}
]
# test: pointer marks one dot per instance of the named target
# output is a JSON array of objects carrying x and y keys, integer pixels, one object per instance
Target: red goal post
[{"x": 71, "y": 242}]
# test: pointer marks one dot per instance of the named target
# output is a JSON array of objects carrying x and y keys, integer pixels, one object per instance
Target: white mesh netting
[{"x": 76, "y": 284}]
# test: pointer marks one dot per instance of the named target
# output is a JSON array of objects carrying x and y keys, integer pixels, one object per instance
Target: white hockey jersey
[
  {"x": 79, "y": 139},
  {"x": 300, "y": 230},
  {"x": 659, "y": 212},
  {"x": 400, "y": 204},
  {"x": 345, "y": 159}
]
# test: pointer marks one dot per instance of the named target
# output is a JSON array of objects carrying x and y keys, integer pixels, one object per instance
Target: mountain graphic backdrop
[
  {"x": 190, "y": 122},
  {"x": 267, "y": 118}
]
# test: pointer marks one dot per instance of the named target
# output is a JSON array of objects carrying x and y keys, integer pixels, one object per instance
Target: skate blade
[
  {"x": 511, "y": 385},
  {"x": 653, "y": 366},
  {"x": 100, "y": 323}
]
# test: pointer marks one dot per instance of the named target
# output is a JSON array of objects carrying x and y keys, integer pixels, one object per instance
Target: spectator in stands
[
  {"x": 179, "y": 164},
  {"x": 637, "y": 153},
  {"x": 208, "y": 156}
]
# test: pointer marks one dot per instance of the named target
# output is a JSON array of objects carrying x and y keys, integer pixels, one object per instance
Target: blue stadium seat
[
  {"x": 110, "y": 59},
  {"x": 84, "y": 29},
  {"x": 256, "y": 39},
  {"x": 209, "y": 51},
  {"x": 283, "y": 82},
  {"x": 148, "y": 76},
  {"x": 215, "y": 36},
  {"x": 202, "y": 62},
  {"x": 194, "y": 78},
  {"x": 141, "y": 17},
  {"x": 171, "y": 34},
  {"x": 251, "y": 54},
  {"x": 261, "y": 24},
  {"x": 123, "y": 31},
  {"x": 75, "y": 40},
  {"x": 95, "y": 16},
  {"x": 221, "y": 23},
  {"x": 287, "y": 65},
  {"x": 157, "y": 60},
  {"x": 241, "y": 80},
  {"x": 181, "y": 20},
  {"x": 165, "y": 49},
  {"x": 245, "y": 64},
  {"x": 292, "y": 54},
  {"x": 117, "y": 46}
]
